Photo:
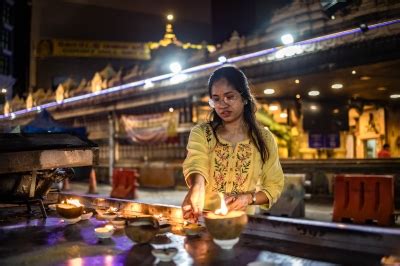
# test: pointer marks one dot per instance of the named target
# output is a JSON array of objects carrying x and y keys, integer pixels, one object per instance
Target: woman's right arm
[
  {"x": 192, "y": 205},
  {"x": 195, "y": 170},
  {"x": 197, "y": 158}
]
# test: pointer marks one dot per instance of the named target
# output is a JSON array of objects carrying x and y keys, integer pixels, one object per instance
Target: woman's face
[{"x": 228, "y": 103}]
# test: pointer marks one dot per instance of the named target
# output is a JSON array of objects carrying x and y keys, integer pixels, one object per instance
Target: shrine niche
[
  {"x": 29, "y": 101},
  {"x": 60, "y": 93},
  {"x": 15, "y": 104},
  {"x": 39, "y": 97},
  {"x": 63, "y": 89},
  {"x": 101, "y": 79},
  {"x": 6, "y": 108},
  {"x": 96, "y": 84}
]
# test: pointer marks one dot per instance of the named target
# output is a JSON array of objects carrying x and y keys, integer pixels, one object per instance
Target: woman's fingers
[
  {"x": 230, "y": 199},
  {"x": 186, "y": 211},
  {"x": 186, "y": 207},
  {"x": 238, "y": 202},
  {"x": 191, "y": 208},
  {"x": 232, "y": 206},
  {"x": 190, "y": 216}
]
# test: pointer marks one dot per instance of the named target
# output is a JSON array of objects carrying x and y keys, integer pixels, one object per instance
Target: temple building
[{"x": 329, "y": 92}]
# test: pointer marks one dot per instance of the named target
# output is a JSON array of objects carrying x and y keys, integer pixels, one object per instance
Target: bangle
[{"x": 253, "y": 198}]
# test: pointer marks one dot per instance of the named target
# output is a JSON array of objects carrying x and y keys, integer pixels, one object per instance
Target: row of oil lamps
[{"x": 224, "y": 226}]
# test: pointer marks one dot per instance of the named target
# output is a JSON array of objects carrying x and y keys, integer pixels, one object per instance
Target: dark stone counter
[{"x": 52, "y": 242}]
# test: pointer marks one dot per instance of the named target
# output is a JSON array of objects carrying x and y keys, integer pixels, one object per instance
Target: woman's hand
[
  {"x": 238, "y": 202},
  {"x": 193, "y": 204}
]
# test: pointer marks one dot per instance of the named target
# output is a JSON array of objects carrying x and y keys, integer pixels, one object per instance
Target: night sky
[
  {"x": 244, "y": 16},
  {"x": 212, "y": 21}
]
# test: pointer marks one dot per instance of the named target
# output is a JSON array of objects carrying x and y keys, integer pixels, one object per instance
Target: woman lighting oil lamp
[{"x": 225, "y": 226}]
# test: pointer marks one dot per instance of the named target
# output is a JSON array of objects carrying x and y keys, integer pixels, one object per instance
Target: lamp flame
[
  {"x": 74, "y": 202},
  {"x": 111, "y": 209},
  {"x": 109, "y": 227},
  {"x": 223, "y": 210},
  {"x": 158, "y": 216}
]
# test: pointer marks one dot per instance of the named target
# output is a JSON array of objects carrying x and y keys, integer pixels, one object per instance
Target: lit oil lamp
[
  {"x": 192, "y": 229},
  {"x": 161, "y": 219},
  {"x": 87, "y": 213},
  {"x": 141, "y": 229},
  {"x": 109, "y": 214},
  {"x": 164, "y": 225},
  {"x": 225, "y": 226},
  {"x": 71, "y": 209},
  {"x": 119, "y": 222},
  {"x": 104, "y": 232}
]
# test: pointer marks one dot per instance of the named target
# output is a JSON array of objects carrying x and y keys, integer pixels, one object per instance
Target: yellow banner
[{"x": 75, "y": 48}]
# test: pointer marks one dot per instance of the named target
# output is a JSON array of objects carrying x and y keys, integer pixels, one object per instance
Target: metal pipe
[{"x": 111, "y": 146}]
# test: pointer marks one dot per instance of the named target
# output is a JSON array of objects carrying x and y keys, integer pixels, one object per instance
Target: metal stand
[{"x": 41, "y": 206}]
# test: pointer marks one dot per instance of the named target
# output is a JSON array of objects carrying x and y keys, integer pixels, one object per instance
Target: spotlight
[
  {"x": 364, "y": 27},
  {"x": 148, "y": 84},
  {"x": 337, "y": 86},
  {"x": 222, "y": 59},
  {"x": 273, "y": 108},
  {"x": 269, "y": 91},
  {"x": 175, "y": 67},
  {"x": 313, "y": 93},
  {"x": 287, "y": 39}
]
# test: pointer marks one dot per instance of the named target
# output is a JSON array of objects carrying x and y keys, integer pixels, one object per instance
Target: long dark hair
[{"x": 237, "y": 79}]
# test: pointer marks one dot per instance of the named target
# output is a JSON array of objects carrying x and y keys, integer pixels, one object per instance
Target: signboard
[
  {"x": 316, "y": 141},
  {"x": 324, "y": 141},
  {"x": 76, "y": 48}
]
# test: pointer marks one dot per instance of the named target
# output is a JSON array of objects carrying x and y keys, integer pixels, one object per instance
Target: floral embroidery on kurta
[
  {"x": 242, "y": 166},
  {"x": 208, "y": 132},
  {"x": 221, "y": 166}
]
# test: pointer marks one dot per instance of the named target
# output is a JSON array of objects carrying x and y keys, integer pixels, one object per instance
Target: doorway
[{"x": 370, "y": 148}]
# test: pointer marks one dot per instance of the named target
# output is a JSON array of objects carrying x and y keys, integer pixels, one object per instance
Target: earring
[{"x": 245, "y": 102}]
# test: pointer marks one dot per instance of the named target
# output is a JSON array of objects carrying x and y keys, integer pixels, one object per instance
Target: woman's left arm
[
  {"x": 272, "y": 181},
  {"x": 272, "y": 178}
]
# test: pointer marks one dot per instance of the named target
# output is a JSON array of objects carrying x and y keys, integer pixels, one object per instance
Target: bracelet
[{"x": 253, "y": 198}]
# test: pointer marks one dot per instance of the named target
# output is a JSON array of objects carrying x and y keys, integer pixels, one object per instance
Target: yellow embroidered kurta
[{"x": 233, "y": 170}]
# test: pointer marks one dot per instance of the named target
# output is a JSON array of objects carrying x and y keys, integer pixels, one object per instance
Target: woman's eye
[
  {"x": 230, "y": 97},
  {"x": 215, "y": 99}
]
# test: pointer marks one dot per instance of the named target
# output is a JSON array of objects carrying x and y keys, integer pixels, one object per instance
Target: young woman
[{"x": 231, "y": 153}]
